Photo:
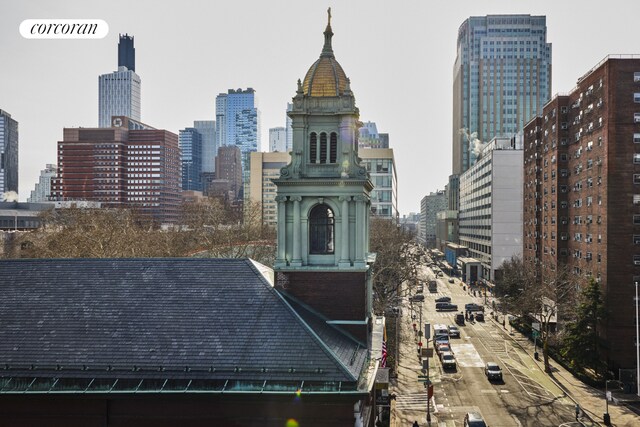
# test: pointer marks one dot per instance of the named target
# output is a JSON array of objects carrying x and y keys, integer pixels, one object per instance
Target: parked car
[
  {"x": 419, "y": 289},
  {"x": 441, "y": 339},
  {"x": 443, "y": 348},
  {"x": 454, "y": 332},
  {"x": 493, "y": 371},
  {"x": 473, "y": 307},
  {"x": 443, "y": 299},
  {"x": 446, "y": 306},
  {"x": 480, "y": 317},
  {"x": 448, "y": 360},
  {"x": 451, "y": 280},
  {"x": 459, "y": 319},
  {"x": 417, "y": 297},
  {"x": 474, "y": 419}
]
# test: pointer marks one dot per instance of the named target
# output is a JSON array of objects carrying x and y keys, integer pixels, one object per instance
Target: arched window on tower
[
  {"x": 313, "y": 147},
  {"x": 321, "y": 227},
  {"x": 333, "y": 148},
  {"x": 323, "y": 147}
]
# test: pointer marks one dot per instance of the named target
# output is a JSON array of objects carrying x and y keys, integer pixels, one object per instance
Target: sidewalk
[{"x": 591, "y": 400}]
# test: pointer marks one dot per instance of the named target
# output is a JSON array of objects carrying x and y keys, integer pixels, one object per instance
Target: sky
[{"x": 398, "y": 55}]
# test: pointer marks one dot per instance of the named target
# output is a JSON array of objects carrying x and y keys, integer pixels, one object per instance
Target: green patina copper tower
[{"x": 324, "y": 198}]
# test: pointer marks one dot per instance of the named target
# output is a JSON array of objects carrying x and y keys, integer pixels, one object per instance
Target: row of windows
[{"x": 319, "y": 151}]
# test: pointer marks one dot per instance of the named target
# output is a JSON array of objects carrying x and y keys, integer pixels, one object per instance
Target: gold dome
[{"x": 325, "y": 77}]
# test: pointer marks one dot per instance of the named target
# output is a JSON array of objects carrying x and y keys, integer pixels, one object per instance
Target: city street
[{"x": 526, "y": 397}]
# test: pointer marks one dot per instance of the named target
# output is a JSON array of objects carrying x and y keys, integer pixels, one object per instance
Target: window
[
  {"x": 323, "y": 147},
  {"x": 636, "y": 138},
  {"x": 636, "y": 178},
  {"x": 313, "y": 147},
  {"x": 636, "y": 199},
  {"x": 333, "y": 148},
  {"x": 636, "y": 117},
  {"x": 636, "y": 239},
  {"x": 636, "y": 260},
  {"x": 321, "y": 225},
  {"x": 636, "y": 97},
  {"x": 636, "y": 158},
  {"x": 636, "y": 76}
]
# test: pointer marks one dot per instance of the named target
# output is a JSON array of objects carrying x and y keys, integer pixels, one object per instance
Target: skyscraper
[
  {"x": 207, "y": 131},
  {"x": 289, "y": 128},
  {"x": 42, "y": 190},
  {"x": 126, "y": 53},
  {"x": 191, "y": 148},
  {"x": 501, "y": 79},
  {"x": 8, "y": 153},
  {"x": 278, "y": 140},
  {"x": 238, "y": 120},
  {"x": 127, "y": 165},
  {"x": 119, "y": 91}
]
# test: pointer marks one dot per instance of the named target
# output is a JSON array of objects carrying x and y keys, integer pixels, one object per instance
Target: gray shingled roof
[{"x": 161, "y": 318}]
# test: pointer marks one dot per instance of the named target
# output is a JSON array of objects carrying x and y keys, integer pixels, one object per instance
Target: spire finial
[{"x": 327, "y": 51}]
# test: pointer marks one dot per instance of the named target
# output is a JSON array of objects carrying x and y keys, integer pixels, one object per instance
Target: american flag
[{"x": 383, "y": 361}]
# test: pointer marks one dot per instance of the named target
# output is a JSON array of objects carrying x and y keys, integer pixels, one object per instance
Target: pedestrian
[
  {"x": 415, "y": 424},
  {"x": 577, "y": 411}
]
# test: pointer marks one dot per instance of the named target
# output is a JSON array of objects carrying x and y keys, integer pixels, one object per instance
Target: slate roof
[{"x": 162, "y": 318}]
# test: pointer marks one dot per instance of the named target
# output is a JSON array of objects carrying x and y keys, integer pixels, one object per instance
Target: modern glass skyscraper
[
  {"x": 8, "y": 153},
  {"x": 126, "y": 52},
  {"x": 119, "y": 91},
  {"x": 501, "y": 80},
  {"x": 190, "y": 141},
  {"x": 238, "y": 120},
  {"x": 207, "y": 130}
]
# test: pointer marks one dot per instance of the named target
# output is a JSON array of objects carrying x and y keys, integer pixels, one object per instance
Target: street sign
[
  {"x": 427, "y": 330},
  {"x": 535, "y": 326},
  {"x": 427, "y": 352}
]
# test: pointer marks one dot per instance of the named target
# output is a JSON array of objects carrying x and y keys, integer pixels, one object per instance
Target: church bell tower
[{"x": 324, "y": 201}]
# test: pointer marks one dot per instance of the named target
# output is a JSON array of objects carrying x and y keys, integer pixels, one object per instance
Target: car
[
  {"x": 451, "y": 280},
  {"x": 446, "y": 306},
  {"x": 440, "y": 339},
  {"x": 493, "y": 371},
  {"x": 474, "y": 419},
  {"x": 473, "y": 307},
  {"x": 459, "y": 319},
  {"x": 443, "y": 299},
  {"x": 419, "y": 289},
  {"x": 443, "y": 348},
  {"x": 417, "y": 297},
  {"x": 454, "y": 332},
  {"x": 448, "y": 360},
  {"x": 480, "y": 317}
]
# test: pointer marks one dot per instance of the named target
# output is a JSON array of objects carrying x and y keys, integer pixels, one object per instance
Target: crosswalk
[{"x": 415, "y": 401}]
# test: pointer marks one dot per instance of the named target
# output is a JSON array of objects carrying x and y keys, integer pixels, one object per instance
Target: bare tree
[
  {"x": 546, "y": 298},
  {"x": 397, "y": 261}
]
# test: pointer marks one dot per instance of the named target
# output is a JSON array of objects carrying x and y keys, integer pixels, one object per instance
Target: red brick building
[
  {"x": 582, "y": 192},
  {"x": 128, "y": 165}
]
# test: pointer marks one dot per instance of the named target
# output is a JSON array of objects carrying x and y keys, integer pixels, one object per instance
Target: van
[{"x": 440, "y": 330}]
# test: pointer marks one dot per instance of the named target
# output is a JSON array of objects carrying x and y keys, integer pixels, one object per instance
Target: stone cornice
[{"x": 324, "y": 182}]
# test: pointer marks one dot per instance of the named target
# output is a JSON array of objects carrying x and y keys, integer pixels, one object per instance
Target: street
[{"x": 525, "y": 397}]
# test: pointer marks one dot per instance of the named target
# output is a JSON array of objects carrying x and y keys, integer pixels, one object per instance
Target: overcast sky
[{"x": 399, "y": 56}]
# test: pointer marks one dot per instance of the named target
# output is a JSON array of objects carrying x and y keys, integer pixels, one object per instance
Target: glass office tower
[{"x": 501, "y": 80}]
